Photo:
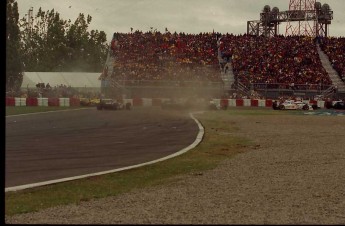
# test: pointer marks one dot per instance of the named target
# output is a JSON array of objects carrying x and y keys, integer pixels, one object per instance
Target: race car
[
  {"x": 111, "y": 104},
  {"x": 338, "y": 105},
  {"x": 294, "y": 105}
]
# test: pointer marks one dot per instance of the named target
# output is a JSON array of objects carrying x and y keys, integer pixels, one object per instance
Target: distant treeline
[{"x": 47, "y": 43}]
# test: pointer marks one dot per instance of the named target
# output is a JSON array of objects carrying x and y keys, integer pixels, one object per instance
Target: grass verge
[{"x": 218, "y": 144}]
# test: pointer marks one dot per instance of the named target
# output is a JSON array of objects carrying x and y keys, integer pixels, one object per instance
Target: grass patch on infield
[{"x": 219, "y": 143}]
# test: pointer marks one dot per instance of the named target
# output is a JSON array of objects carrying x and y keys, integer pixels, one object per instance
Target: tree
[
  {"x": 14, "y": 64},
  {"x": 54, "y": 44}
]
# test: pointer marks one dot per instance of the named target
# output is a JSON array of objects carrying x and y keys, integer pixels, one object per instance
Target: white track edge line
[{"x": 198, "y": 139}]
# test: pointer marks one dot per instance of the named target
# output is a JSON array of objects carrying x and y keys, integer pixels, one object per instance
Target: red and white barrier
[
  {"x": 145, "y": 102},
  {"x": 42, "y": 101}
]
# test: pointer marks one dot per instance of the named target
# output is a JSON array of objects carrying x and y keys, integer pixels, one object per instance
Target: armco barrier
[
  {"x": 10, "y": 101},
  {"x": 31, "y": 101},
  {"x": 53, "y": 101}
]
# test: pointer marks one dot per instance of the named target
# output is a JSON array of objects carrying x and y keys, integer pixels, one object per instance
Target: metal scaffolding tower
[{"x": 304, "y": 17}]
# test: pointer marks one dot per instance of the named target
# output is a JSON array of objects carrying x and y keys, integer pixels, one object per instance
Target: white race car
[{"x": 295, "y": 105}]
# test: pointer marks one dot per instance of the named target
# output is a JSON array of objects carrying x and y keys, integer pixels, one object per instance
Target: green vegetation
[
  {"x": 48, "y": 43},
  {"x": 218, "y": 144}
]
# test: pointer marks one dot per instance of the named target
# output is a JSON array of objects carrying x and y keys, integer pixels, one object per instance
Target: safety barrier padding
[
  {"x": 10, "y": 101},
  {"x": 137, "y": 101},
  {"x": 224, "y": 102},
  {"x": 254, "y": 103},
  {"x": 147, "y": 102},
  {"x": 216, "y": 102},
  {"x": 246, "y": 102},
  {"x": 262, "y": 103},
  {"x": 42, "y": 101},
  {"x": 156, "y": 102},
  {"x": 232, "y": 102},
  {"x": 53, "y": 101},
  {"x": 19, "y": 101},
  {"x": 64, "y": 102},
  {"x": 31, "y": 101},
  {"x": 239, "y": 102},
  {"x": 269, "y": 103},
  {"x": 74, "y": 101}
]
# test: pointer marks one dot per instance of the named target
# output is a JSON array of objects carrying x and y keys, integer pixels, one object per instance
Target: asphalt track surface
[{"x": 56, "y": 145}]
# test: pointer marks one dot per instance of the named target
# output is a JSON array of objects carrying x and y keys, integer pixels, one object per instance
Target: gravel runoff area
[{"x": 295, "y": 175}]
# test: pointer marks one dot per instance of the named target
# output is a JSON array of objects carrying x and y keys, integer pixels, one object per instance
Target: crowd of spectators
[
  {"x": 335, "y": 50},
  {"x": 290, "y": 61},
  {"x": 165, "y": 56}
]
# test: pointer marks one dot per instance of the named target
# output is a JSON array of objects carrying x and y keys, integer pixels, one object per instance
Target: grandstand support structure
[
  {"x": 109, "y": 83},
  {"x": 304, "y": 17},
  {"x": 227, "y": 76},
  {"x": 333, "y": 75}
]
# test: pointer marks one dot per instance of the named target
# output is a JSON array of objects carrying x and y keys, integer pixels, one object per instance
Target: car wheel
[
  {"x": 282, "y": 107},
  {"x": 315, "y": 107},
  {"x": 305, "y": 107},
  {"x": 128, "y": 106}
]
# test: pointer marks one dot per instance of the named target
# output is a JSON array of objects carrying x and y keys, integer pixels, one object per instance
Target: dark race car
[
  {"x": 339, "y": 105},
  {"x": 111, "y": 104}
]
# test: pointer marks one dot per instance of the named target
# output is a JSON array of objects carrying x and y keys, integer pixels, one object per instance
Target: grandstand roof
[{"x": 73, "y": 79}]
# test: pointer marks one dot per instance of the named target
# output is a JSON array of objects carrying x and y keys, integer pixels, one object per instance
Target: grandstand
[
  {"x": 259, "y": 64},
  {"x": 160, "y": 65}
]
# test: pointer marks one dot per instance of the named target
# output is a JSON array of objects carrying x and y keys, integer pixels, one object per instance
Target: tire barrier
[
  {"x": 156, "y": 102},
  {"x": 147, "y": 102},
  {"x": 53, "y": 102},
  {"x": 64, "y": 102},
  {"x": 19, "y": 101},
  {"x": 137, "y": 101},
  {"x": 254, "y": 103},
  {"x": 10, "y": 101},
  {"x": 42, "y": 102},
  {"x": 31, "y": 101},
  {"x": 74, "y": 101}
]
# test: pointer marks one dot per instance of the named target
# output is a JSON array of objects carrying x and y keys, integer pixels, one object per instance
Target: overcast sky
[{"x": 189, "y": 16}]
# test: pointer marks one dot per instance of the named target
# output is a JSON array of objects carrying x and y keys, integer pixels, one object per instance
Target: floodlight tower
[{"x": 305, "y": 11}]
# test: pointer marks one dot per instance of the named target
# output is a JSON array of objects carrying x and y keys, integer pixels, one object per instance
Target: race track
[{"x": 55, "y": 145}]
